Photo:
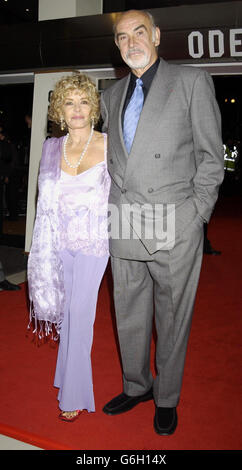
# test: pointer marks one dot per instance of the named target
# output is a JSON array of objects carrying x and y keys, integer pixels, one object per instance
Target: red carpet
[{"x": 210, "y": 408}]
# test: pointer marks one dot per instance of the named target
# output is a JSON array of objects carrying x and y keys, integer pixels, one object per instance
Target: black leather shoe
[
  {"x": 123, "y": 403},
  {"x": 209, "y": 250},
  {"x": 165, "y": 421},
  {"x": 6, "y": 285}
]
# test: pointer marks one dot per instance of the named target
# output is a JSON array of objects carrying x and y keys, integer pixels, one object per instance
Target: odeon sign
[{"x": 216, "y": 43}]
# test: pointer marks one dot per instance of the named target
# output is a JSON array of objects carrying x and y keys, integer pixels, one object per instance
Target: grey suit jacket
[{"x": 176, "y": 159}]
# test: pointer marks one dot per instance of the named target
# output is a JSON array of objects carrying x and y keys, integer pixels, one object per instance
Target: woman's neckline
[{"x": 84, "y": 171}]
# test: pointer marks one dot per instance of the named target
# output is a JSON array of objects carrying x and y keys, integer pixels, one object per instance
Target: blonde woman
[{"x": 69, "y": 250}]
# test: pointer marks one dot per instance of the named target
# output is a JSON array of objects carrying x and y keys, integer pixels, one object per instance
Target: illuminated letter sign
[
  {"x": 235, "y": 42},
  {"x": 211, "y": 43},
  {"x": 195, "y": 41},
  {"x": 216, "y": 40}
]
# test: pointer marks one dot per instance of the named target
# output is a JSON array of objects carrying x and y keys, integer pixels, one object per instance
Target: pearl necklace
[{"x": 82, "y": 154}]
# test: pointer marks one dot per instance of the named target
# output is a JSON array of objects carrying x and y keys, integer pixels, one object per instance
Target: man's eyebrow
[
  {"x": 140, "y": 26},
  {"x": 135, "y": 29}
]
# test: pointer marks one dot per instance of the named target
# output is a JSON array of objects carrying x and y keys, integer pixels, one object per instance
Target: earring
[{"x": 62, "y": 124}]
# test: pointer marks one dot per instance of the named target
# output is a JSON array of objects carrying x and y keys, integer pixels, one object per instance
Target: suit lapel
[
  {"x": 117, "y": 131},
  {"x": 151, "y": 115}
]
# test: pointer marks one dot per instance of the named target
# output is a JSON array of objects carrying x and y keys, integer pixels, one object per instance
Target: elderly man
[{"x": 164, "y": 152}]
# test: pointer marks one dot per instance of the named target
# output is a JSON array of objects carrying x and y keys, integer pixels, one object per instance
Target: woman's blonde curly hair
[{"x": 76, "y": 82}]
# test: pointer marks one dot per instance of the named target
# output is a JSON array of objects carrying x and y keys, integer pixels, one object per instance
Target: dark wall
[
  {"x": 15, "y": 102},
  {"x": 123, "y": 5},
  {"x": 88, "y": 41}
]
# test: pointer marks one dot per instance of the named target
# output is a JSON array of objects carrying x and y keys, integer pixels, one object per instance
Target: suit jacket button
[
  {"x": 157, "y": 155},
  {"x": 150, "y": 190},
  {"x": 123, "y": 190},
  {"x": 111, "y": 160}
]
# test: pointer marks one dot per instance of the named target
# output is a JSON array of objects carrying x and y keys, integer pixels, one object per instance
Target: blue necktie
[{"x": 132, "y": 113}]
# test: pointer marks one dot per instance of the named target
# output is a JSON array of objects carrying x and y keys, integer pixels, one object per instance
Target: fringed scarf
[{"x": 45, "y": 269}]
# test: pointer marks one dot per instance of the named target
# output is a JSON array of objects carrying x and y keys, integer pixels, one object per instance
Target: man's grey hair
[{"x": 144, "y": 12}]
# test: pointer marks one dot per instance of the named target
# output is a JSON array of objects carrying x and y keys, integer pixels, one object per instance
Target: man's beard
[{"x": 137, "y": 62}]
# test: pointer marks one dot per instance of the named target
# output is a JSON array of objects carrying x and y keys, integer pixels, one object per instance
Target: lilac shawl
[{"x": 45, "y": 269}]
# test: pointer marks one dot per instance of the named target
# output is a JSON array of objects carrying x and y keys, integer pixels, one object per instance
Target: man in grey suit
[{"x": 166, "y": 175}]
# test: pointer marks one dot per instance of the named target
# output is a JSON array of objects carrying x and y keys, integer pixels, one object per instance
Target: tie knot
[{"x": 139, "y": 82}]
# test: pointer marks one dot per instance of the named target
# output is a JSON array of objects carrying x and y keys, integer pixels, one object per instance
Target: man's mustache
[{"x": 131, "y": 51}]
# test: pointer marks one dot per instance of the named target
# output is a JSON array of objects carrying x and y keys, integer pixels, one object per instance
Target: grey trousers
[
  {"x": 163, "y": 289},
  {"x": 2, "y": 277}
]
